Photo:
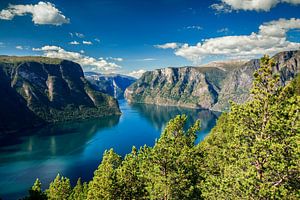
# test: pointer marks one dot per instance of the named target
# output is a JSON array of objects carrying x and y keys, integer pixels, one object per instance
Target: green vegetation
[
  {"x": 22, "y": 59},
  {"x": 47, "y": 90},
  {"x": 252, "y": 153}
]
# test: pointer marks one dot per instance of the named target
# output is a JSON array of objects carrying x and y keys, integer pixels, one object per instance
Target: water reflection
[
  {"x": 159, "y": 116},
  {"x": 75, "y": 149},
  {"x": 53, "y": 140}
]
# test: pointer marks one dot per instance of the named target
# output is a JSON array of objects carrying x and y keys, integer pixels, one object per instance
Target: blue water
[{"x": 75, "y": 149}]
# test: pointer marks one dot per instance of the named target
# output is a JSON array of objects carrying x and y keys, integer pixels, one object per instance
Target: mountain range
[
  {"x": 38, "y": 90},
  {"x": 210, "y": 86}
]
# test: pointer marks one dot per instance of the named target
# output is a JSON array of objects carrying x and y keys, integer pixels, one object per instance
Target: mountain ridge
[
  {"x": 47, "y": 90},
  {"x": 208, "y": 87}
]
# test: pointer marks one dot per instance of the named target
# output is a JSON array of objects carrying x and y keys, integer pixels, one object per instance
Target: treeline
[{"x": 252, "y": 153}]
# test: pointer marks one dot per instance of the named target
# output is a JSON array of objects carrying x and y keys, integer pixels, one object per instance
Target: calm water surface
[{"x": 75, "y": 149}]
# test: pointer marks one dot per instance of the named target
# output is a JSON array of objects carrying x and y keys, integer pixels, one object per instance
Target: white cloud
[
  {"x": 19, "y": 47},
  {"x": 145, "y": 59},
  {"x": 86, "y": 61},
  {"x": 97, "y": 40},
  {"x": 137, "y": 73},
  {"x": 223, "y": 30},
  {"x": 42, "y": 13},
  {"x": 80, "y": 35},
  {"x": 221, "y": 8},
  {"x": 74, "y": 42},
  {"x": 270, "y": 39},
  {"x": 171, "y": 45},
  {"x": 257, "y": 5},
  {"x": 87, "y": 42},
  {"x": 194, "y": 27},
  {"x": 149, "y": 59},
  {"x": 115, "y": 59},
  {"x": 279, "y": 28}
]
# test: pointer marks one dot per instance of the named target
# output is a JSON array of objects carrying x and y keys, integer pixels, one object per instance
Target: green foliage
[
  {"x": 130, "y": 177},
  {"x": 79, "y": 192},
  {"x": 35, "y": 193},
  {"x": 104, "y": 184},
  {"x": 253, "y": 152},
  {"x": 59, "y": 189},
  {"x": 21, "y": 59},
  {"x": 171, "y": 171}
]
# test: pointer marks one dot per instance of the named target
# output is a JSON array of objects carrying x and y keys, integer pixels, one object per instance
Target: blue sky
[{"x": 126, "y": 36}]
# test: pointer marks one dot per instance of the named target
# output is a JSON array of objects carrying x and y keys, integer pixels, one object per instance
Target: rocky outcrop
[
  {"x": 210, "y": 86},
  {"x": 39, "y": 90},
  {"x": 111, "y": 84}
]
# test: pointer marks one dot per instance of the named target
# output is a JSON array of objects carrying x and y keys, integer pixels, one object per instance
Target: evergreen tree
[
  {"x": 104, "y": 183},
  {"x": 79, "y": 192},
  {"x": 130, "y": 180},
  {"x": 35, "y": 192},
  {"x": 253, "y": 152},
  {"x": 172, "y": 170},
  {"x": 59, "y": 189}
]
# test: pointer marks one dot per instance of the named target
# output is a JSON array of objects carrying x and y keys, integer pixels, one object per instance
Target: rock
[
  {"x": 38, "y": 90},
  {"x": 211, "y": 86},
  {"x": 111, "y": 84}
]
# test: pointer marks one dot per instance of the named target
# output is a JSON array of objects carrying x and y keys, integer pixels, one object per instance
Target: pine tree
[
  {"x": 35, "y": 192},
  {"x": 104, "y": 183},
  {"x": 130, "y": 180},
  {"x": 253, "y": 152},
  {"x": 59, "y": 189},
  {"x": 172, "y": 171},
  {"x": 79, "y": 192}
]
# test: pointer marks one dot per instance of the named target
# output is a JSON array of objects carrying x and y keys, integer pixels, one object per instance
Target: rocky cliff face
[
  {"x": 111, "y": 84},
  {"x": 37, "y": 90},
  {"x": 210, "y": 86}
]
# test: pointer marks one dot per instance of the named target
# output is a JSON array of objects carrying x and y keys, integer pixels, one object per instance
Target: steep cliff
[
  {"x": 210, "y": 86},
  {"x": 37, "y": 90},
  {"x": 111, "y": 84}
]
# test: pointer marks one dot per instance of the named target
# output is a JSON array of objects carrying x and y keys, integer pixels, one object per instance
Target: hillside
[
  {"x": 210, "y": 86},
  {"x": 38, "y": 90}
]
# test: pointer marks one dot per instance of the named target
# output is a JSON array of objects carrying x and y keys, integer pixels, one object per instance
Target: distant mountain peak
[{"x": 111, "y": 84}]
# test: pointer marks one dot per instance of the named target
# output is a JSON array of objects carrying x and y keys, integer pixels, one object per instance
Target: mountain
[
  {"x": 38, "y": 90},
  {"x": 112, "y": 84},
  {"x": 210, "y": 86}
]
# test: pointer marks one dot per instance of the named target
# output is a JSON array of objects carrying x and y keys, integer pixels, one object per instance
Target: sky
[{"x": 133, "y": 36}]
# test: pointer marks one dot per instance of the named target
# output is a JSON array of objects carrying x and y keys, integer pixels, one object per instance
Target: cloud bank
[
  {"x": 41, "y": 13},
  {"x": 88, "y": 62},
  {"x": 257, "y": 5},
  {"x": 137, "y": 73},
  {"x": 270, "y": 39}
]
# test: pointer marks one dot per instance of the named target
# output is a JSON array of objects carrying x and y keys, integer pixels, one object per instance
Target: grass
[{"x": 21, "y": 59}]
